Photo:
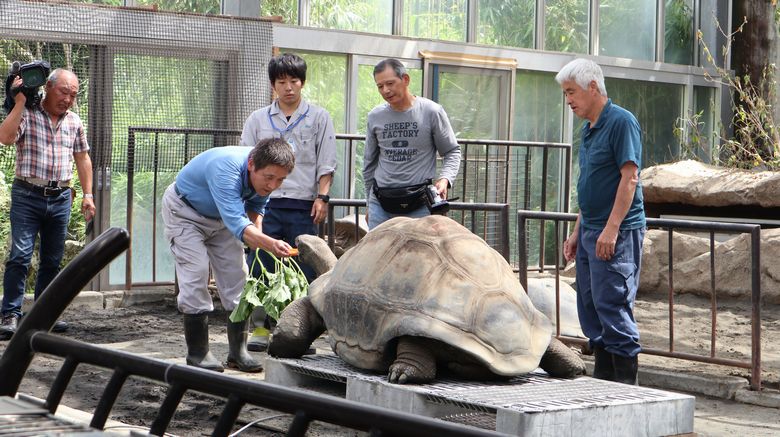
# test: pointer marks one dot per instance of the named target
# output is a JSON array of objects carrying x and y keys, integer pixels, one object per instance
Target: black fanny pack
[{"x": 401, "y": 200}]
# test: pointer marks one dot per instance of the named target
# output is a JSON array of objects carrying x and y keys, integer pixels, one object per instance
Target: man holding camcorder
[
  {"x": 48, "y": 138},
  {"x": 402, "y": 140}
]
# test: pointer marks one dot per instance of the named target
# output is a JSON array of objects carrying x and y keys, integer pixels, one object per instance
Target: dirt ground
[{"x": 155, "y": 330}]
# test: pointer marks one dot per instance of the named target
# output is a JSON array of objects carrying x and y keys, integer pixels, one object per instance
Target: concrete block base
[{"x": 529, "y": 405}]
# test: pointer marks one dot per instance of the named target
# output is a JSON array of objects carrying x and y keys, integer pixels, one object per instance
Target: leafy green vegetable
[{"x": 272, "y": 290}]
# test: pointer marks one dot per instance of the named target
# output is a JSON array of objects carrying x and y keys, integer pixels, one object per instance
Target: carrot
[{"x": 293, "y": 252}]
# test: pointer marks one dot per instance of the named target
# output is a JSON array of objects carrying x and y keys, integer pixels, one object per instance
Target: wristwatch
[{"x": 324, "y": 197}]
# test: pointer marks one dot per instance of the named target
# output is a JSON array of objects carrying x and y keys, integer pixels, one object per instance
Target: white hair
[{"x": 583, "y": 72}]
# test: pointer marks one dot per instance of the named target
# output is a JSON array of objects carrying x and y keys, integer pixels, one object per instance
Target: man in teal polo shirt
[{"x": 607, "y": 237}]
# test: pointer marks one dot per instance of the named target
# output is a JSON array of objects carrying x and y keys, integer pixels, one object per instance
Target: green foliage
[
  {"x": 755, "y": 142},
  {"x": 373, "y": 16},
  {"x": 678, "y": 32},
  {"x": 272, "y": 290},
  {"x": 287, "y": 9},
  {"x": 435, "y": 19},
  {"x": 507, "y": 23},
  {"x": 198, "y": 6},
  {"x": 566, "y": 25}
]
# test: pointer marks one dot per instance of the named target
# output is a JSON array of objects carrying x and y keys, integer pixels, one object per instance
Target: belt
[
  {"x": 43, "y": 190},
  {"x": 183, "y": 199},
  {"x": 44, "y": 182}
]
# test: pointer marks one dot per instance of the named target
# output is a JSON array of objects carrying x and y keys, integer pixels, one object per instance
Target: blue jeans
[
  {"x": 377, "y": 215},
  {"x": 606, "y": 291},
  {"x": 33, "y": 214},
  {"x": 284, "y": 224}
]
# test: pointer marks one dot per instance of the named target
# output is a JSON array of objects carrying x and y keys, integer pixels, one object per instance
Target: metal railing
[
  {"x": 753, "y": 364},
  {"x": 501, "y": 244},
  {"x": 32, "y": 337},
  {"x": 492, "y": 172}
]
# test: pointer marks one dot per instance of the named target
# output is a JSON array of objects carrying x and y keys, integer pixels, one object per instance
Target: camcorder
[
  {"x": 34, "y": 75},
  {"x": 436, "y": 205}
]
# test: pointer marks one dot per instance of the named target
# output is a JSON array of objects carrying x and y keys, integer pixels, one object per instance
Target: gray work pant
[{"x": 197, "y": 241}]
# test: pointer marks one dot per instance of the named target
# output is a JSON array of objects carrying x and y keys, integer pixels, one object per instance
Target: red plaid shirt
[{"x": 45, "y": 151}]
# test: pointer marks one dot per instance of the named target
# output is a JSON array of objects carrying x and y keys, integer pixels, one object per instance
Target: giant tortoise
[{"x": 417, "y": 294}]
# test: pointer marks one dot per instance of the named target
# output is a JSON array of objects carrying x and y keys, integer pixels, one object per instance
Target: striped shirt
[{"x": 45, "y": 151}]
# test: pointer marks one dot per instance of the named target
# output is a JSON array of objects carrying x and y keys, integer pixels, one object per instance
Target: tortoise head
[{"x": 315, "y": 252}]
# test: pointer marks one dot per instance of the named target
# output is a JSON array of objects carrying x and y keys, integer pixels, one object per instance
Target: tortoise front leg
[
  {"x": 414, "y": 362},
  {"x": 299, "y": 325}
]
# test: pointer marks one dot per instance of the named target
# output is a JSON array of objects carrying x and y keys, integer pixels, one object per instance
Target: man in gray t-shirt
[{"x": 402, "y": 139}]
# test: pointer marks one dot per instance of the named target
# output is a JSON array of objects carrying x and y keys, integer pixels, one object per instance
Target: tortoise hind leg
[
  {"x": 414, "y": 362},
  {"x": 298, "y": 326},
  {"x": 560, "y": 361}
]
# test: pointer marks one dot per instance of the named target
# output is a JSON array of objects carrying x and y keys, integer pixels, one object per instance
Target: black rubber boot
[
  {"x": 196, "y": 334},
  {"x": 604, "y": 367},
  {"x": 626, "y": 369},
  {"x": 238, "y": 357}
]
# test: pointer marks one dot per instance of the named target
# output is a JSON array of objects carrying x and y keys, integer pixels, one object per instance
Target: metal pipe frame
[{"x": 754, "y": 364}]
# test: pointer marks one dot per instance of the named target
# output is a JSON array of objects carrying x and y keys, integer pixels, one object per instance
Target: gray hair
[
  {"x": 395, "y": 64},
  {"x": 56, "y": 73},
  {"x": 583, "y": 72}
]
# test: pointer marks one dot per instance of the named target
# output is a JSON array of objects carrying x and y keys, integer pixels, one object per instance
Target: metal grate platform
[
  {"x": 534, "y": 404},
  {"x": 20, "y": 418}
]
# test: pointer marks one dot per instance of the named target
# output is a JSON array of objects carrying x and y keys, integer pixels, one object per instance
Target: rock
[
  {"x": 542, "y": 294},
  {"x": 695, "y": 183}
]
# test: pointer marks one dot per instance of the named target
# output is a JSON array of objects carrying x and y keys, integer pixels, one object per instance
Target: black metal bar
[
  {"x": 713, "y": 297},
  {"x": 319, "y": 407},
  {"x": 129, "y": 206},
  {"x": 156, "y": 160},
  {"x": 167, "y": 409},
  {"x": 228, "y": 416},
  {"x": 60, "y": 383},
  {"x": 522, "y": 251},
  {"x": 755, "y": 335},
  {"x": 712, "y": 227},
  {"x": 110, "y": 393},
  {"x": 53, "y": 301},
  {"x": 671, "y": 289},
  {"x": 299, "y": 424},
  {"x": 505, "y": 251},
  {"x": 543, "y": 207},
  {"x": 557, "y": 283}
]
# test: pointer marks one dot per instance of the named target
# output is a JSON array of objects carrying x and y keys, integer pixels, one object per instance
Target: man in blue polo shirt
[
  {"x": 215, "y": 206},
  {"x": 607, "y": 237}
]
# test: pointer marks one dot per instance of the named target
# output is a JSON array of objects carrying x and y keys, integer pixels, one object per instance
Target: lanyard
[{"x": 290, "y": 127}]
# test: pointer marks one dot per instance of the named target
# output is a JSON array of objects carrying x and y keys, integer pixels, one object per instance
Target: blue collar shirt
[{"x": 216, "y": 184}]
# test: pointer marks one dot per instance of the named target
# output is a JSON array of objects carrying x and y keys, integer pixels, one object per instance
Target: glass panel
[
  {"x": 566, "y": 25},
  {"x": 182, "y": 95},
  {"x": 471, "y": 97},
  {"x": 657, "y": 107},
  {"x": 538, "y": 107},
  {"x": 435, "y": 19},
  {"x": 712, "y": 13},
  {"x": 507, "y": 23},
  {"x": 287, "y": 9},
  {"x": 367, "y": 99},
  {"x": 199, "y": 6},
  {"x": 627, "y": 29},
  {"x": 326, "y": 86},
  {"x": 678, "y": 31},
  {"x": 374, "y": 16},
  {"x": 703, "y": 137},
  {"x": 538, "y": 117}
]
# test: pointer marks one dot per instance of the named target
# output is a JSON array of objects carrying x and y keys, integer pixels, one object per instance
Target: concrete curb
[
  {"x": 718, "y": 386},
  {"x": 98, "y": 300}
]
